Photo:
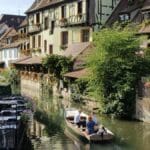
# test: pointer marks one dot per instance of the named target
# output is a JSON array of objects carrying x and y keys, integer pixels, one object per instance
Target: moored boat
[{"x": 107, "y": 135}]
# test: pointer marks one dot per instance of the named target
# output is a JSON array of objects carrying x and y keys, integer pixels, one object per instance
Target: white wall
[{"x": 9, "y": 55}]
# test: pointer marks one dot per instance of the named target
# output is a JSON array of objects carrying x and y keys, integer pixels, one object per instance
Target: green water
[{"x": 53, "y": 135}]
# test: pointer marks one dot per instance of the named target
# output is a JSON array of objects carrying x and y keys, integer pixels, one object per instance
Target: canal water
[{"x": 48, "y": 132}]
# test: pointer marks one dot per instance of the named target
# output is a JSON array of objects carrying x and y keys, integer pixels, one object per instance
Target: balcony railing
[
  {"x": 34, "y": 28},
  {"x": 72, "y": 20}
]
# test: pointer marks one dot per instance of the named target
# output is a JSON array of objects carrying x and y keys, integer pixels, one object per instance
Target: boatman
[{"x": 77, "y": 119}]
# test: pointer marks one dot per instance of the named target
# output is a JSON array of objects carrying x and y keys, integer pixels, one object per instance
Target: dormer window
[{"x": 124, "y": 17}]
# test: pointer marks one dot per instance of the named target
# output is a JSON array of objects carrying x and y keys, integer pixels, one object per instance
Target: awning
[
  {"x": 31, "y": 61},
  {"x": 77, "y": 74},
  {"x": 2, "y": 62},
  {"x": 75, "y": 49}
]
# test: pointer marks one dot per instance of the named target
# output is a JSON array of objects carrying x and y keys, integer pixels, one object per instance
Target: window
[
  {"x": 64, "y": 38},
  {"x": 10, "y": 54},
  {"x": 50, "y": 49},
  {"x": 46, "y": 24},
  {"x": 28, "y": 46},
  {"x": 38, "y": 18},
  {"x": 25, "y": 31},
  {"x": 15, "y": 53},
  {"x": 5, "y": 54},
  {"x": 24, "y": 46},
  {"x": 124, "y": 17},
  {"x": 52, "y": 27},
  {"x": 80, "y": 7},
  {"x": 45, "y": 46},
  {"x": 85, "y": 35},
  {"x": 39, "y": 40},
  {"x": 33, "y": 42},
  {"x": 63, "y": 12},
  {"x": 9, "y": 40}
]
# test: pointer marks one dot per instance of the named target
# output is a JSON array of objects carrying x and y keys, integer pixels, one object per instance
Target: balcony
[
  {"x": 34, "y": 28},
  {"x": 78, "y": 19},
  {"x": 72, "y": 20}
]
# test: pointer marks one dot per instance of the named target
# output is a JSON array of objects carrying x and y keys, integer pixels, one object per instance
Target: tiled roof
[
  {"x": 31, "y": 61},
  {"x": 39, "y": 4},
  {"x": 11, "y": 20},
  {"x": 77, "y": 74},
  {"x": 24, "y": 23},
  {"x": 145, "y": 30},
  {"x": 20, "y": 59},
  {"x": 6, "y": 33},
  {"x": 146, "y": 5},
  {"x": 75, "y": 49},
  {"x": 15, "y": 44},
  {"x": 115, "y": 14}
]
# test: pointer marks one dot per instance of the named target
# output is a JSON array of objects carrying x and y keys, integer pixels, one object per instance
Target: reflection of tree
[{"x": 52, "y": 120}]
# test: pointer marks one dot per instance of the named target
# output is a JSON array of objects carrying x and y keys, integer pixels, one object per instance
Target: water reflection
[{"x": 48, "y": 132}]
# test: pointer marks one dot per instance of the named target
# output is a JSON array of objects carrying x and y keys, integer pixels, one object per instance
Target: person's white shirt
[
  {"x": 94, "y": 119},
  {"x": 77, "y": 118}
]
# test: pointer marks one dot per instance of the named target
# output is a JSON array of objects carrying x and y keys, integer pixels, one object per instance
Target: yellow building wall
[{"x": 74, "y": 32}]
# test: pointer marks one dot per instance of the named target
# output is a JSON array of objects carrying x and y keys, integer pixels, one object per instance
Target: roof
[
  {"x": 124, "y": 7},
  {"x": 132, "y": 8},
  {"x": 75, "y": 49},
  {"x": 30, "y": 61},
  {"x": 19, "y": 60},
  {"x": 146, "y": 5},
  {"x": 145, "y": 30},
  {"x": 14, "y": 44},
  {"x": 11, "y": 20},
  {"x": 24, "y": 23},
  {"x": 40, "y": 4},
  {"x": 77, "y": 74},
  {"x": 115, "y": 14},
  {"x": 6, "y": 33}
]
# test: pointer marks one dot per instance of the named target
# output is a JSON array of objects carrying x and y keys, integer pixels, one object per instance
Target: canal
[{"x": 48, "y": 132}]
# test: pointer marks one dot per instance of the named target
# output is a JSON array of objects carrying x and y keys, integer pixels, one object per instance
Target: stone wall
[
  {"x": 30, "y": 88},
  {"x": 143, "y": 109}
]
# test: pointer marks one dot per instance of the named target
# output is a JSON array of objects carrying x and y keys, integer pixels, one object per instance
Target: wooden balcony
[
  {"x": 72, "y": 20},
  {"x": 34, "y": 28}
]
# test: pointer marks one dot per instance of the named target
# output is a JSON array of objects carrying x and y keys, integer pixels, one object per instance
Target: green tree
[
  {"x": 116, "y": 67},
  {"x": 57, "y": 65}
]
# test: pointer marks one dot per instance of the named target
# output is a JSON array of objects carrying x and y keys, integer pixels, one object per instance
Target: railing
[
  {"x": 72, "y": 20},
  {"x": 34, "y": 28}
]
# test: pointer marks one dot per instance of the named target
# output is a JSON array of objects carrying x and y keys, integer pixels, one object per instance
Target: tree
[
  {"x": 116, "y": 69},
  {"x": 57, "y": 65}
]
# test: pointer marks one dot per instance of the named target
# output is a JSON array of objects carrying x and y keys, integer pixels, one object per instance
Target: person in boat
[
  {"x": 94, "y": 118},
  {"x": 77, "y": 119},
  {"x": 102, "y": 131},
  {"x": 90, "y": 125}
]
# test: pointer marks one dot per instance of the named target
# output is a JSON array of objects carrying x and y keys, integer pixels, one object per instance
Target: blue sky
[{"x": 14, "y": 6}]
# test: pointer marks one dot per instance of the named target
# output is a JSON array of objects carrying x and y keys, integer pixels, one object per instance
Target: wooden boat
[{"x": 81, "y": 132}]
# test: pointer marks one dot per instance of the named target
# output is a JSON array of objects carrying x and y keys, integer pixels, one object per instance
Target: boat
[{"x": 81, "y": 132}]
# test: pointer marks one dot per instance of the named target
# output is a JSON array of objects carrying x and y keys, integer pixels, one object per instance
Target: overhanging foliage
[{"x": 116, "y": 69}]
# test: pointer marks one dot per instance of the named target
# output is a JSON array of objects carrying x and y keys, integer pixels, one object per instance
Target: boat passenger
[
  {"x": 102, "y": 131},
  {"x": 90, "y": 125},
  {"x": 94, "y": 118},
  {"x": 77, "y": 119}
]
